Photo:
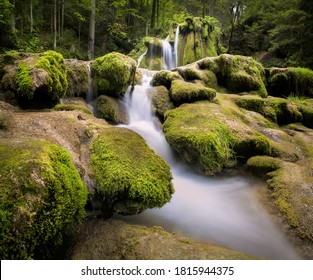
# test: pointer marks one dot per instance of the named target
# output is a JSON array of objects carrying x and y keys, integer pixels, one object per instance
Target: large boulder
[
  {"x": 211, "y": 136},
  {"x": 37, "y": 80},
  {"x": 129, "y": 175},
  {"x": 42, "y": 198},
  {"x": 113, "y": 73}
]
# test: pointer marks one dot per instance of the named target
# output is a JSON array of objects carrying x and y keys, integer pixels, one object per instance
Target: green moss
[
  {"x": 165, "y": 78},
  {"x": 161, "y": 101},
  {"x": 307, "y": 115},
  {"x": 24, "y": 81},
  {"x": 261, "y": 165},
  {"x": 130, "y": 176},
  {"x": 108, "y": 108},
  {"x": 207, "y": 77},
  {"x": 241, "y": 74},
  {"x": 251, "y": 103},
  {"x": 54, "y": 64},
  {"x": 42, "y": 199},
  {"x": 72, "y": 107},
  {"x": 113, "y": 73},
  {"x": 183, "y": 92},
  {"x": 285, "y": 81}
]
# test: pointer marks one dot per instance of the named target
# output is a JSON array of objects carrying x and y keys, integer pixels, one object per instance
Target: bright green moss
[
  {"x": 183, "y": 92},
  {"x": 130, "y": 176},
  {"x": 113, "y": 73},
  {"x": 72, "y": 107},
  {"x": 261, "y": 165},
  {"x": 24, "y": 81},
  {"x": 42, "y": 199},
  {"x": 165, "y": 78},
  {"x": 54, "y": 64},
  {"x": 161, "y": 101}
]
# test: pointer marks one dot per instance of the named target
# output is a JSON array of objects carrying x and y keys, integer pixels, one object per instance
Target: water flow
[
  {"x": 176, "y": 45},
  {"x": 168, "y": 54},
  {"x": 220, "y": 210},
  {"x": 90, "y": 93},
  {"x": 141, "y": 57}
]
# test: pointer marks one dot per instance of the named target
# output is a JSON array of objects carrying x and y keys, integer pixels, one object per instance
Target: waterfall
[
  {"x": 90, "y": 93},
  {"x": 141, "y": 57},
  {"x": 220, "y": 210},
  {"x": 168, "y": 54},
  {"x": 176, "y": 45}
]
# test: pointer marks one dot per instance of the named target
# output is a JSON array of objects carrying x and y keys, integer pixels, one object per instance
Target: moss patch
[
  {"x": 165, "y": 78},
  {"x": 113, "y": 73},
  {"x": 42, "y": 198},
  {"x": 183, "y": 92},
  {"x": 72, "y": 107},
  {"x": 130, "y": 176}
]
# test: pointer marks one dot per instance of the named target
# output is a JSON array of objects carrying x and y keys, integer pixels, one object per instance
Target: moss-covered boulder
[
  {"x": 37, "y": 80},
  {"x": 210, "y": 136},
  {"x": 283, "y": 82},
  {"x": 113, "y": 73},
  {"x": 184, "y": 92},
  {"x": 73, "y": 104},
  {"x": 116, "y": 240},
  {"x": 42, "y": 198},
  {"x": 241, "y": 74},
  {"x": 130, "y": 176},
  {"x": 78, "y": 77},
  {"x": 161, "y": 101},
  {"x": 110, "y": 109},
  {"x": 290, "y": 187},
  {"x": 165, "y": 78}
]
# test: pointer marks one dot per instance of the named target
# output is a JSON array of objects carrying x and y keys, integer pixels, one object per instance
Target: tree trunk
[
  {"x": 212, "y": 6},
  {"x": 153, "y": 13},
  {"x": 157, "y": 13},
  {"x": 31, "y": 16},
  {"x": 55, "y": 25},
  {"x": 62, "y": 19},
  {"x": 92, "y": 30}
]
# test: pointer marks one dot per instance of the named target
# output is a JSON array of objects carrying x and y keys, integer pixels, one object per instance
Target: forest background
[{"x": 278, "y": 29}]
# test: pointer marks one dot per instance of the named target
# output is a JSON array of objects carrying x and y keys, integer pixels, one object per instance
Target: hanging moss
[
  {"x": 130, "y": 176},
  {"x": 283, "y": 82},
  {"x": 54, "y": 64},
  {"x": 24, "y": 81},
  {"x": 42, "y": 199},
  {"x": 113, "y": 73}
]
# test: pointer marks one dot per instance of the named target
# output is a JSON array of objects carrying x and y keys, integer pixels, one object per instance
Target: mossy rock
[
  {"x": 78, "y": 78},
  {"x": 42, "y": 199},
  {"x": 72, "y": 107},
  {"x": 165, "y": 78},
  {"x": 184, "y": 92},
  {"x": 290, "y": 188},
  {"x": 241, "y": 74},
  {"x": 283, "y": 82},
  {"x": 130, "y": 176},
  {"x": 115, "y": 240},
  {"x": 6, "y": 117},
  {"x": 161, "y": 101},
  {"x": 113, "y": 73},
  {"x": 210, "y": 136},
  {"x": 109, "y": 108},
  {"x": 37, "y": 80}
]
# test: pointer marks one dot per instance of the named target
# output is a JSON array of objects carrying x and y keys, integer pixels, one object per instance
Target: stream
[{"x": 221, "y": 210}]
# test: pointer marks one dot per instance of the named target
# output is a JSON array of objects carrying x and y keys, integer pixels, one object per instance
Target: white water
[
  {"x": 168, "y": 54},
  {"x": 176, "y": 45},
  {"x": 141, "y": 57},
  {"x": 220, "y": 210}
]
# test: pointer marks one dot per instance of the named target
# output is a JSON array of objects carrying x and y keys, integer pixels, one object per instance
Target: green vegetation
[
  {"x": 165, "y": 78},
  {"x": 54, "y": 64},
  {"x": 46, "y": 203},
  {"x": 24, "y": 81},
  {"x": 183, "y": 92},
  {"x": 130, "y": 176},
  {"x": 72, "y": 107},
  {"x": 113, "y": 73}
]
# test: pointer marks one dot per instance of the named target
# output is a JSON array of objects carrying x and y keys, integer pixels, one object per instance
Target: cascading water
[
  {"x": 176, "y": 45},
  {"x": 168, "y": 54},
  {"x": 141, "y": 57},
  {"x": 220, "y": 210}
]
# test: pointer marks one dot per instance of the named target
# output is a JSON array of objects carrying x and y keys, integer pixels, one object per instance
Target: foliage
[
  {"x": 42, "y": 199},
  {"x": 130, "y": 176}
]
